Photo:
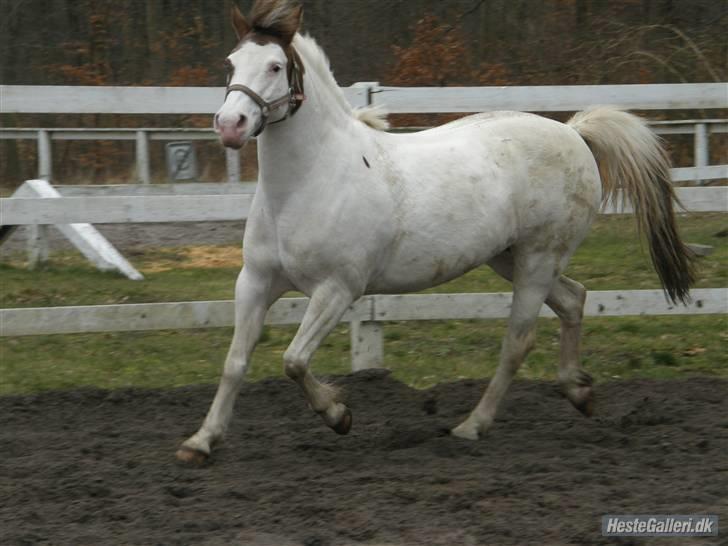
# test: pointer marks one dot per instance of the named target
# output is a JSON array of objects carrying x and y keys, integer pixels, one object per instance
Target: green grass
[{"x": 419, "y": 353}]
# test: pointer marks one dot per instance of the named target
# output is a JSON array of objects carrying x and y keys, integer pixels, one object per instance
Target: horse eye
[{"x": 275, "y": 68}]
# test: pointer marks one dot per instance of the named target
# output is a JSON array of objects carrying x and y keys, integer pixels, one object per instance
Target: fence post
[
  {"x": 38, "y": 234},
  {"x": 701, "y": 147},
  {"x": 142, "y": 157},
  {"x": 232, "y": 160},
  {"x": 45, "y": 158},
  {"x": 364, "y": 94},
  {"x": 37, "y": 246},
  {"x": 367, "y": 345}
]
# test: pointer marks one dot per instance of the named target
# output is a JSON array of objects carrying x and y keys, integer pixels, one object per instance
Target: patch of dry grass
[{"x": 193, "y": 257}]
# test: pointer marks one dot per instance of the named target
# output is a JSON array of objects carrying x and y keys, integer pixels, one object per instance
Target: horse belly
[
  {"x": 410, "y": 274},
  {"x": 434, "y": 249}
]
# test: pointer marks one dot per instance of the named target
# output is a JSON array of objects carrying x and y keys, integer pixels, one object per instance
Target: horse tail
[{"x": 631, "y": 158}]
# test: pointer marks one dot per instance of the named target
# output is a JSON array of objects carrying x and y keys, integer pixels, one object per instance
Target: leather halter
[{"x": 293, "y": 98}]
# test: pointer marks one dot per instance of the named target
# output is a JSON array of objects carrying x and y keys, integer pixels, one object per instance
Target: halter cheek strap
[{"x": 294, "y": 98}]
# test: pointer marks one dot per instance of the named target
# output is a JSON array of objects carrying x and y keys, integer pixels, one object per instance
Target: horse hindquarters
[
  {"x": 630, "y": 155},
  {"x": 553, "y": 224}
]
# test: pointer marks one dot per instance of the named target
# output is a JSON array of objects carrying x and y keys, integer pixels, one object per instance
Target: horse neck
[{"x": 292, "y": 148}]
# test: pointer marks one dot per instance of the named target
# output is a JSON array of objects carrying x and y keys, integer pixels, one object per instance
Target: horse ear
[
  {"x": 299, "y": 17},
  {"x": 298, "y": 14},
  {"x": 240, "y": 24},
  {"x": 291, "y": 24}
]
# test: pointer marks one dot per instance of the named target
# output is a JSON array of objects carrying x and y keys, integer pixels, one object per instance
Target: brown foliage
[{"x": 438, "y": 55}]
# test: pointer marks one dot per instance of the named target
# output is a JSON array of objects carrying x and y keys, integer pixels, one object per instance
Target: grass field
[{"x": 419, "y": 353}]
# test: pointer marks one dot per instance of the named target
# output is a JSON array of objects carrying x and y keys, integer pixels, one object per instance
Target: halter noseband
[{"x": 294, "y": 98}]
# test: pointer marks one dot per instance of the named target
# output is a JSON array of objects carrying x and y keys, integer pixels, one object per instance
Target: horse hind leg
[
  {"x": 566, "y": 299},
  {"x": 533, "y": 279}
]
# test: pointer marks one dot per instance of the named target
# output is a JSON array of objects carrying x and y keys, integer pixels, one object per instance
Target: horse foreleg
[
  {"x": 532, "y": 283},
  {"x": 253, "y": 295},
  {"x": 324, "y": 311}
]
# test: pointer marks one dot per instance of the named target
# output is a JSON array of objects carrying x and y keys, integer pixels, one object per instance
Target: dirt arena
[{"x": 93, "y": 467}]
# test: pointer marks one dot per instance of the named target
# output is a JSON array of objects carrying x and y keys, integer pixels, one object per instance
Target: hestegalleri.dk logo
[{"x": 631, "y": 525}]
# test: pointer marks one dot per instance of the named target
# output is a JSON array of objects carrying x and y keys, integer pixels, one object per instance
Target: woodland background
[{"x": 395, "y": 42}]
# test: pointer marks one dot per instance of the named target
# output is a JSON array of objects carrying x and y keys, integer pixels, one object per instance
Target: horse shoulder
[{"x": 260, "y": 241}]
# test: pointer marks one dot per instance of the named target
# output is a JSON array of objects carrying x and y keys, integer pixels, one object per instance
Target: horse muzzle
[{"x": 233, "y": 131}]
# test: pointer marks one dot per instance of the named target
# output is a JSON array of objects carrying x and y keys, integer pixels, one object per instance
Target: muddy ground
[{"x": 97, "y": 467}]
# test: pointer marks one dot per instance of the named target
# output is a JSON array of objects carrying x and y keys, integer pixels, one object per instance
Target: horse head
[{"x": 265, "y": 74}]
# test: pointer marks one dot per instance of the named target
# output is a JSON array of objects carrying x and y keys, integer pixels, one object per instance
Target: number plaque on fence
[{"x": 181, "y": 161}]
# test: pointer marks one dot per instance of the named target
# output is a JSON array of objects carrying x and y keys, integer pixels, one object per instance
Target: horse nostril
[
  {"x": 216, "y": 121},
  {"x": 242, "y": 120}
]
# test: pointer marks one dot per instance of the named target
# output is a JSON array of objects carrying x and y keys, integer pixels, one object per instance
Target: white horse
[{"x": 343, "y": 210}]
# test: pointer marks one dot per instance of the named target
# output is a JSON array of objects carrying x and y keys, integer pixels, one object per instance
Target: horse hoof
[
  {"x": 465, "y": 432},
  {"x": 191, "y": 457},
  {"x": 344, "y": 424},
  {"x": 578, "y": 390},
  {"x": 586, "y": 408}
]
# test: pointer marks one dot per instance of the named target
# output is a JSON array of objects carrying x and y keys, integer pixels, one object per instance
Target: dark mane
[{"x": 277, "y": 18}]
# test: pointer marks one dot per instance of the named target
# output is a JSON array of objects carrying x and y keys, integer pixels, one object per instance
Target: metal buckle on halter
[{"x": 295, "y": 97}]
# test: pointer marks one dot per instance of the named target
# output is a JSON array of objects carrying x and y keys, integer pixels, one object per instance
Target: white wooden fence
[
  {"x": 119, "y": 209},
  {"x": 700, "y": 129},
  {"x": 206, "y": 100},
  {"x": 367, "y": 314},
  {"x": 378, "y": 308},
  {"x": 29, "y": 99}
]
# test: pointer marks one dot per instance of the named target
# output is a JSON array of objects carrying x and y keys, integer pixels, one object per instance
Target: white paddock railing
[
  {"x": 205, "y": 100},
  {"x": 73, "y": 209},
  {"x": 700, "y": 129},
  {"x": 117, "y": 209},
  {"x": 141, "y": 136},
  {"x": 46, "y": 99},
  {"x": 365, "y": 316}
]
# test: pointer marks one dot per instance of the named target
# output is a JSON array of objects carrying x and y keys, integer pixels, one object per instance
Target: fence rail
[
  {"x": 25, "y": 99},
  {"x": 670, "y": 127},
  {"x": 379, "y": 308},
  {"x": 37, "y": 99},
  {"x": 365, "y": 316},
  {"x": 124, "y": 209},
  {"x": 558, "y": 98},
  {"x": 195, "y": 208},
  {"x": 700, "y": 129}
]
